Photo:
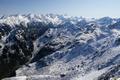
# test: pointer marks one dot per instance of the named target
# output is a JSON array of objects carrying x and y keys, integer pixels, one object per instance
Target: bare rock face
[{"x": 17, "y": 47}]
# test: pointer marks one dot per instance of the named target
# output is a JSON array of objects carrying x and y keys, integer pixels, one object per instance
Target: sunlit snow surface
[{"x": 84, "y": 48}]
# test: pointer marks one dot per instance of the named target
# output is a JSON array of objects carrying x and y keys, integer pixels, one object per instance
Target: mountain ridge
[{"x": 59, "y": 47}]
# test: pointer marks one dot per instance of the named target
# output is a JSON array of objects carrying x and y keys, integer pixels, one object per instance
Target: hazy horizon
[{"x": 85, "y": 8}]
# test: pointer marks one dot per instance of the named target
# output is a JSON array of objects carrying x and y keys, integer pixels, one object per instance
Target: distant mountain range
[{"x": 59, "y": 47}]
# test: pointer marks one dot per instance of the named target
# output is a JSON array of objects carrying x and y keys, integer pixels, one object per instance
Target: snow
[
  {"x": 34, "y": 77},
  {"x": 12, "y": 20},
  {"x": 116, "y": 32},
  {"x": 93, "y": 75},
  {"x": 17, "y": 78},
  {"x": 81, "y": 52}
]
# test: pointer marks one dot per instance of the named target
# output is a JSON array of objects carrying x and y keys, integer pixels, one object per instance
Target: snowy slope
[{"x": 58, "y": 47}]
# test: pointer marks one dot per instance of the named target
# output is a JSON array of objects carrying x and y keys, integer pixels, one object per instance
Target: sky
[{"x": 85, "y": 8}]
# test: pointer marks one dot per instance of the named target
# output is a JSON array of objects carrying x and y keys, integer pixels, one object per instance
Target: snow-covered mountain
[{"x": 59, "y": 47}]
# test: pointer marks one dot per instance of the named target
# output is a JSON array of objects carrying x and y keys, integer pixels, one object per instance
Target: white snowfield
[
  {"x": 90, "y": 48},
  {"x": 34, "y": 77}
]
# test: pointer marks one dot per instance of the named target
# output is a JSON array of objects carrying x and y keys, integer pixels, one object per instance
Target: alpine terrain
[{"x": 59, "y": 47}]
